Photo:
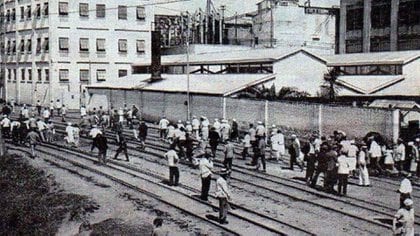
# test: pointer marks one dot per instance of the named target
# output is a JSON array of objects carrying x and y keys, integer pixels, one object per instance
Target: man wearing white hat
[
  {"x": 5, "y": 125},
  {"x": 405, "y": 190},
  {"x": 205, "y": 128},
  {"x": 223, "y": 194},
  {"x": 224, "y": 130},
  {"x": 163, "y": 127},
  {"x": 195, "y": 126},
  {"x": 260, "y": 131},
  {"x": 403, "y": 222},
  {"x": 70, "y": 134},
  {"x": 216, "y": 125}
]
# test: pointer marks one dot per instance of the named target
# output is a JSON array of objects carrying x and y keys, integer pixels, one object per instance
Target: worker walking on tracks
[
  {"x": 101, "y": 143},
  {"x": 196, "y": 127},
  {"x": 163, "y": 127},
  {"x": 173, "y": 166},
  {"x": 15, "y": 130},
  {"x": 223, "y": 194},
  {"x": 294, "y": 151},
  {"x": 214, "y": 139},
  {"x": 206, "y": 167},
  {"x": 363, "y": 171},
  {"x": 122, "y": 146},
  {"x": 229, "y": 152},
  {"x": 205, "y": 128},
  {"x": 246, "y": 146},
  {"x": 260, "y": 153},
  {"x": 143, "y": 134},
  {"x": 33, "y": 139},
  {"x": 405, "y": 189},
  {"x": 343, "y": 173},
  {"x": 5, "y": 126},
  {"x": 403, "y": 222}
]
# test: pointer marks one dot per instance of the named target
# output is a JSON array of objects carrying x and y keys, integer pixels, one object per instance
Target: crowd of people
[{"x": 197, "y": 141}]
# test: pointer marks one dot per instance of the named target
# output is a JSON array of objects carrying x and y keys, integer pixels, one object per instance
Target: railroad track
[{"x": 265, "y": 225}]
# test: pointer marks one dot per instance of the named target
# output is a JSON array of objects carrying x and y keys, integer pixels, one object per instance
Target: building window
[
  {"x": 63, "y": 75},
  {"x": 29, "y": 46},
  {"x": 9, "y": 74},
  {"x": 100, "y": 45},
  {"x": 8, "y": 16},
  {"x": 30, "y": 74},
  {"x": 38, "y": 11},
  {"x": 28, "y": 12},
  {"x": 84, "y": 44},
  {"x": 355, "y": 18},
  {"x": 22, "y": 74},
  {"x": 100, "y": 10},
  {"x": 47, "y": 74},
  {"x": 84, "y": 75},
  {"x": 84, "y": 9},
  {"x": 141, "y": 13},
  {"x": 122, "y": 45},
  {"x": 13, "y": 16},
  {"x": 46, "y": 44},
  {"x": 122, "y": 12},
  {"x": 14, "y": 47},
  {"x": 140, "y": 45},
  {"x": 15, "y": 74},
  {"x": 38, "y": 45},
  {"x": 122, "y": 73},
  {"x": 46, "y": 9},
  {"x": 63, "y": 8},
  {"x": 63, "y": 44},
  {"x": 22, "y": 13},
  {"x": 101, "y": 75},
  {"x": 39, "y": 74},
  {"x": 22, "y": 46}
]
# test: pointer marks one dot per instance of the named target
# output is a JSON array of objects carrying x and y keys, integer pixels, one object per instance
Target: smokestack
[{"x": 156, "y": 57}]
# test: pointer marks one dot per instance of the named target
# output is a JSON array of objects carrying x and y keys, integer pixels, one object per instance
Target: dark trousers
[
  {"x": 39, "y": 110},
  {"x": 102, "y": 156},
  {"x": 245, "y": 153},
  {"x": 293, "y": 160},
  {"x": 262, "y": 156},
  {"x": 228, "y": 163},
  {"x": 213, "y": 148},
  {"x": 51, "y": 113},
  {"x": 342, "y": 183},
  {"x": 173, "y": 175},
  {"x": 6, "y": 132},
  {"x": 121, "y": 149},
  {"x": 223, "y": 209},
  {"x": 331, "y": 179},
  {"x": 205, "y": 187},
  {"x": 162, "y": 133},
  {"x": 404, "y": 196}
]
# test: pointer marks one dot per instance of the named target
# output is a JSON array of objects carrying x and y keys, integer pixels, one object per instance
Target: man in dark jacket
[
  {"x": 294, "y": 151},
  {"x": 101, "y": 143},
  {"x": 322, "y": 165},
  {"x": 143, "y": 134},
  {"x": 122, "y": 142},
  {"x": 214, "y": 139}
]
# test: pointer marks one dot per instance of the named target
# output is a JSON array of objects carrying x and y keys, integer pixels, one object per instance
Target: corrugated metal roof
[
  {"x": 251, "y": 55},
  {"x": 368, "y": 84},
  {"x": 219, "y": 84},
  {"x": 385, "y": 103},
  {"x": 376, "y": 58}
]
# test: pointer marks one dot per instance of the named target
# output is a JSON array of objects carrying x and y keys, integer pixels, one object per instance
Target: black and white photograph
[{"x": 210, "y": 117}]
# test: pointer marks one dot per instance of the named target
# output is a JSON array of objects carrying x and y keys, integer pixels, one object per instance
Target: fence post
[
  {"x": 395, "y": 125},
  {"x": 224, "y": 108},
  {"x": 266, "y": 114},
  {"x": 320, "y": 120}
]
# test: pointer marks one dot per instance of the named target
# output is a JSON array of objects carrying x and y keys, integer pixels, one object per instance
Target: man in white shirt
[
  {"x": 205, "y": 128},
  {"x": 5, "y": 125},
  {"x": 206, "y": 166},
  {"x": 196, "y": 126},
  {"x": 224, "y": 130},
  {"x": 46, "y": 114},
  {"x": 405, "y": 190},
  {"x": 163, "y": 127},
  {"x": 223, "y": 194},
  {"x": 42, "y": 127},
  {"x": 173, "y": 166}
]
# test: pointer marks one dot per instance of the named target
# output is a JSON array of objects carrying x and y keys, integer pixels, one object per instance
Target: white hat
[
  {"x": 294, "y": 136},
  {"x": 179, "y": 121},
  {"x": 259, "y": 122},
  {"x": 408, "y": 202},
  {"x": 273, "y": 126},
  {"x": 233, "y": 119},
  {"x": 411, "y": 143},
  {"x": 224, "y": 121},
  {"x": 69, "y": 123},
  {"x": 417, "y": 139}
]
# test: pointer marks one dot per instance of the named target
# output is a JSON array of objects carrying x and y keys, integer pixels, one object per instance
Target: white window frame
[
  {"x": 63, "y": 75},
  {"x": 141, "y": 13},
  {"x": 100, "y": 45},
  {"x": 63, "y": 8},
  {"x": 122, "y": 12},
  {"x": 63, "y": 44},
  {"x": 141, "y": 46},
  {"x": 122, "y": 45},
  {"x": 84, "y": 9},
  {"x": 84, "y": 75},
  {"x": 100, "y": 75},
  {"x": 84, "y": 44}
]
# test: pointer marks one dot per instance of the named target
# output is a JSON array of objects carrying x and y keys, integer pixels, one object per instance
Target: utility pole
[
  {"x": 236, "y": 28},
  {"x": 188, "y": 67},
  {"x": 221, "y": 21},
  {"x": 271, "y": 24}
]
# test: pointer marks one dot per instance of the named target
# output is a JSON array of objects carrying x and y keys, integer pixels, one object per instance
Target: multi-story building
[
  {"x": 51, "y": 49},
  {"x": 376, "y": 25}
]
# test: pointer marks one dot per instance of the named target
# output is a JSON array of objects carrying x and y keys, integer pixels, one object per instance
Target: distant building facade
[
  {"x": 376, "y": 25},
  {"x": 52, "y": 49}
]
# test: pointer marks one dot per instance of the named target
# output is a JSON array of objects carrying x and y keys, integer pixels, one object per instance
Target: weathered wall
[{"x": 300, "y": 118}]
